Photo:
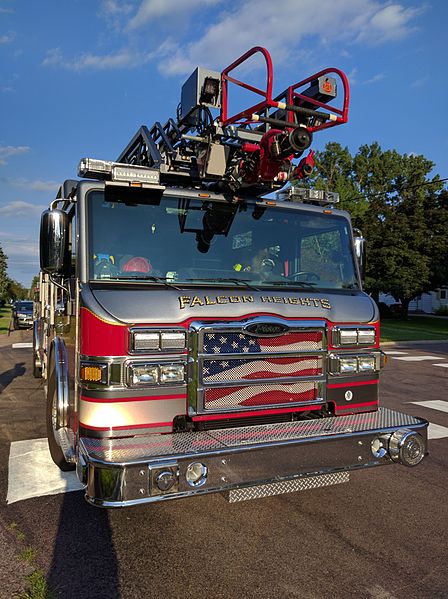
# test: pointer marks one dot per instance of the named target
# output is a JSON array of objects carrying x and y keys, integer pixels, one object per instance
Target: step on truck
[{"x": 202, "y": 325}]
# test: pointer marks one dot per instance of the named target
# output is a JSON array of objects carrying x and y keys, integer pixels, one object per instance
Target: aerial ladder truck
[{"x": 202, "y": 325}]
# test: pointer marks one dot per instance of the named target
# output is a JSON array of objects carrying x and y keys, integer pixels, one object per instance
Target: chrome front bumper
[{"x": 124, "y": 472}]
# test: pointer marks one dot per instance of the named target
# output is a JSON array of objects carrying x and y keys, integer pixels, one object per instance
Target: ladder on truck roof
[{"x": 253, "y": 147}]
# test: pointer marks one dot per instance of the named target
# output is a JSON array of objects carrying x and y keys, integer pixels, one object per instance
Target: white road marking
[
  {"x": 435, "y": 431},
  {"x": 377, "y": 592},
  {"x": 433, "y": 404},
  {"x": 416, "y": 358},
  {"x": 21, "y": 345},
  {"x": 444, "y": 365},
  {"x": 396, "y": 353},
  {"x": 32, "y": 473}
]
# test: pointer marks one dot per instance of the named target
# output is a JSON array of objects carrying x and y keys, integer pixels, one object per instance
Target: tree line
[
  {"x": 9, "y": 288},
  {"x": 401, "y": 210}
]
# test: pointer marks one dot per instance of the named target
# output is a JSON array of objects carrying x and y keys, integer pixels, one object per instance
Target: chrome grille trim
[{"x": 272, "y": 348}]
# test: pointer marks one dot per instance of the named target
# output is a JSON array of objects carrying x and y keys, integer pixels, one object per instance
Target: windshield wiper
[
  {"x": 243, "y": 282},
  {"x": 295, "y": 283},
  {"x": 162, "y": 280}
]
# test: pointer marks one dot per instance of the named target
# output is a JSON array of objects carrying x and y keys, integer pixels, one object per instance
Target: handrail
[{"x": 267, "y": 94}]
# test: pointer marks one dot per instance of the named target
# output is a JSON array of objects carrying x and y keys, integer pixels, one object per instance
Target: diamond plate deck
[
  {"x": 287, "y": 486},
  {"x": 136, "y": 449}
]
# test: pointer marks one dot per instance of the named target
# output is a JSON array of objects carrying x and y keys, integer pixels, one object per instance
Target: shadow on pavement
[
  {"x": 9, "y": 375},
  {"x": 84, "y": 564}
]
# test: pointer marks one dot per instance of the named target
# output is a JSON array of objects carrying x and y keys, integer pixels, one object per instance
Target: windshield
[
  {"x": 28, "y": 306},
  {"x": 178, "y": 240}
]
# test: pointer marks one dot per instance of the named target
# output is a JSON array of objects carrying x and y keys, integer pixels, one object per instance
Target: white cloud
[
  {"x": 287, "y": 27},
  {"x": 7, "y": 38},
  {"x": 375, "y": 79},
  {"x": 34, "y": 185},
  {"x": 7, "y": 151},
  {"x": 21, "y": 208},
  {"x": 121, "y": 59},
  {"x": 389, "y": 23},
  {"x": 420, "y": 82},
  {"x": 286, "y": 24},
  {"x": 151, "y": 10}
]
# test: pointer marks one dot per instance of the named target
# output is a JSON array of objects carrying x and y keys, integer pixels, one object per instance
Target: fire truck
[{"x": 202, "y": 326}]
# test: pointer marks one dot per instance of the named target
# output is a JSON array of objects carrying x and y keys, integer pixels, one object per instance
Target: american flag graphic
[
  {"x": 221, "y": 367},
  {"x": 260, "y": 395},
  {"x": 240, "y": 343},
  {"x": 215, "y": 371}
]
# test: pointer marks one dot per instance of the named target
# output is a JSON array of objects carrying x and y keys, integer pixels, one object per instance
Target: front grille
[
  {"x": 242, "y": 369},
  {"x": 233, "y": 370},
  {"x": 222, "y": 342},
  {"x": 249, "y": 396}
]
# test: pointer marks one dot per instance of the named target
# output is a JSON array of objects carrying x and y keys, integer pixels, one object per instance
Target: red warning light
[{"x": 327, "y": 86}]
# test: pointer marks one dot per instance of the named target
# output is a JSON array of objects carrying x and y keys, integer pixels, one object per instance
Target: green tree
[
  {"x": 403, "y": 218},
  {"x": 16, "y": 291},
  {"x": 3, "y": 273},
  {"x": 34, "y": 286}
]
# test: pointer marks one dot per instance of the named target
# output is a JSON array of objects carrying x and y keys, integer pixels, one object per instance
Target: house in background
[{"x": 427, "y": 303}]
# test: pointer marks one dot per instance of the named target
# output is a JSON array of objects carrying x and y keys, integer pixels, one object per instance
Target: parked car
[{"x": 22, "y": 314}]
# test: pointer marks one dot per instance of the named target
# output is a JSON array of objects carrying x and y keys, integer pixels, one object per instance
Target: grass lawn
[
  {"x": 414, "y": 329},
  {"x": 5, "y": 315}
]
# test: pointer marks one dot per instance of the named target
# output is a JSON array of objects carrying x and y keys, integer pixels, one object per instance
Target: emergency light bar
[
  {"x": 303, "y": 194},
  {"x": 92, "y": 168}
]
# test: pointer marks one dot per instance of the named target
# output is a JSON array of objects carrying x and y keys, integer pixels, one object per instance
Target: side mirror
[
  {"x": 360, "y": 252},
  {"x": 54, "y": 242}
]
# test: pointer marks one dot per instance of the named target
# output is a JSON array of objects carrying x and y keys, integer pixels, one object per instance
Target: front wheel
[
  {"x": 37, "y": 370},
  {"x": 56, "y": 452}
]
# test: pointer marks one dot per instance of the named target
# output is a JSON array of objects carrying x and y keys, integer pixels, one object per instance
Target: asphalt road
[{"x": 381, "y": 536}]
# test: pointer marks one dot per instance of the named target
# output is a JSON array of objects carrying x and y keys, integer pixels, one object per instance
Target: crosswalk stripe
[
  {"x": 415, "y": 358},
  {"x": 435, "y": 431},
  {"x": 433, "y": 404},
  {"x": 21, "y": 345},
  {"x": 396, "y": 353},
  {"x": 444, "y": 365},
  {"x": 27, "y": 461}
]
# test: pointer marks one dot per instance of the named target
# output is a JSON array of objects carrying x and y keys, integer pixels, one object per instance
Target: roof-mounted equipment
[{"x": 255, "y": 147}]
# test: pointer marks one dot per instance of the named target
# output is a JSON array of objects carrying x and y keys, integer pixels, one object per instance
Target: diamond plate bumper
[{"x": 122, "y": 472}]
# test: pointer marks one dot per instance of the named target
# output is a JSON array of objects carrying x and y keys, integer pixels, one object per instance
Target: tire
[
  {"x": 56, "y": 452},
  {"x": 37, "y": 370}
]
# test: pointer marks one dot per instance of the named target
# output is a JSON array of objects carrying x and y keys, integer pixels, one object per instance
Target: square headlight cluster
[
  {"x": 149, "y": 341},
  {"x": 354, "y": 336},
  {"x": 346, "y": 365},
  {"x": 140, "y": 375}
]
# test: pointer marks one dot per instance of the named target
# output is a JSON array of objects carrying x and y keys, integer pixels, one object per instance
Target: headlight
[
  {"x": 172, "y": 373},
  {"x": 146, "y": 341},
  {"x": 172, "y": 341},
  {"x": 155, "y": 374},
  {"x": 347, "y": 336},
  {"x": 151, "y": 341},
  {"x": 366, "y": 363},
  {"x": 348, "y": 365},
  {"x": 143, "y": 374},
  {"x": 359, "y": 364}
]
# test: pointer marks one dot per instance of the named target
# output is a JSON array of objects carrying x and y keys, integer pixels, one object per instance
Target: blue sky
[{"x": 79, "y": 77}]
